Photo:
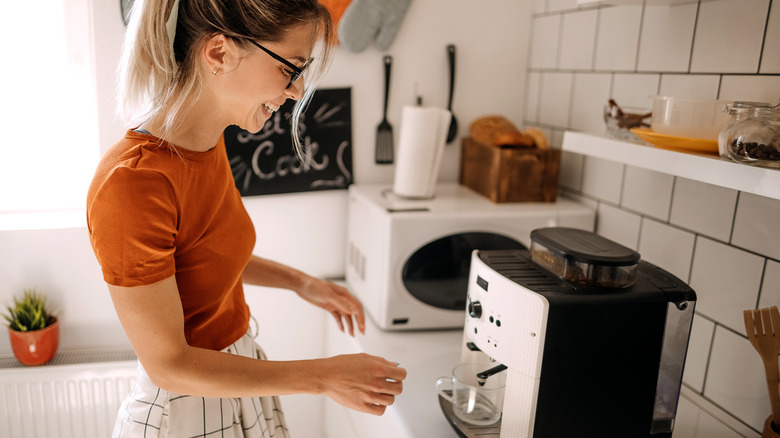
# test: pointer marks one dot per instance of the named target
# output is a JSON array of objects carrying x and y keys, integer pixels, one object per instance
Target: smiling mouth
[{"x": 270, "y": 107}]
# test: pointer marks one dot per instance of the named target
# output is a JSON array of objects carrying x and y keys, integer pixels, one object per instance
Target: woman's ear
[{"x": 220, "y": 54}]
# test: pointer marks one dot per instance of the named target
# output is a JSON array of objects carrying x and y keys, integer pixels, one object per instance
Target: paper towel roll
[{"x": 420, "y": 148}]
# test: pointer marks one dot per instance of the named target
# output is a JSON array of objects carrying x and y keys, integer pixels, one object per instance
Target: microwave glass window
[{"x": 438, "y": 273}]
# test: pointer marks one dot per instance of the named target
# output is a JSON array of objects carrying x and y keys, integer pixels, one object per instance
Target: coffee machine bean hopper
[{"x": 593, "y": 338}]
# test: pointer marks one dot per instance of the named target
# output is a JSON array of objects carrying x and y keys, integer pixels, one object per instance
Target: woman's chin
[{"x": 256, "y": 124}]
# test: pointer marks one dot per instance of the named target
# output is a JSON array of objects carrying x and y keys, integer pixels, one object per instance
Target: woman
[{"x": 174, "y": 240}]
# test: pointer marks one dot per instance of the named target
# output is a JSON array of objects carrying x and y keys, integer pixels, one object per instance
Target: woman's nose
[{"x": 295, "y": 92}]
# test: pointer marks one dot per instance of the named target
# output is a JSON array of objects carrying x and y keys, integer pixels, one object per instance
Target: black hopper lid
[{"x": 583, "y": 257}]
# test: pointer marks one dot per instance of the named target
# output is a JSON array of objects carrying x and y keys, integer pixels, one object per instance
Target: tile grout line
[
  {"x": 763, "y": 40},
  {"x": 639, "y": 36},
  {"x": 693, "y": 40}
]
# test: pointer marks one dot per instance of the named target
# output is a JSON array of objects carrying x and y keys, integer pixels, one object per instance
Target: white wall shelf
[{"x": 705, "y": 168}]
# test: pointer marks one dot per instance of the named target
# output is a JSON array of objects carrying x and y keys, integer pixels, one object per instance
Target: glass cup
[{"x": 473, "y": 404}]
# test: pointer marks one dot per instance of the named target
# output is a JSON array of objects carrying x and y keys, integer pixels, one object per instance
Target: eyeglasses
[{"x": 296, "y": 71}]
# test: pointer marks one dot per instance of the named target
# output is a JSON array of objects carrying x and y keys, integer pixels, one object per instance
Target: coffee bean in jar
[{"x": 756, "y": 140}]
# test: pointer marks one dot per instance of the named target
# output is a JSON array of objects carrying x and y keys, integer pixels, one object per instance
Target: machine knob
[{"x": 475, "y": 309}]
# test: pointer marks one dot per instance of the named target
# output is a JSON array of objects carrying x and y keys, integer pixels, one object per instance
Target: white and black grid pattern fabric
[{"x": 151, "y": 412}]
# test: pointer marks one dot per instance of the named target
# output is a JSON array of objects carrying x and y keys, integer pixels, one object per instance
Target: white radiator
[{"x": 76, "y": 395}]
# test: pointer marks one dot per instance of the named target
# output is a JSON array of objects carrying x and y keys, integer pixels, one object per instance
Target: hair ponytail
[{"x": 147, "y": 73}]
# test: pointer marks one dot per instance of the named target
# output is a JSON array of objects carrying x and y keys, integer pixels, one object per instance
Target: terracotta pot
[{"x": 36, "y": 347}]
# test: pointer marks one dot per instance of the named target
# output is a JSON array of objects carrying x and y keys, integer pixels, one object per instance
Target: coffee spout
[{"x": 483, "y": 376}]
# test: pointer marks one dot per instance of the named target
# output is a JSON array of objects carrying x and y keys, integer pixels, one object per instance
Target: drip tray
[{"x": 466, "y": 430}]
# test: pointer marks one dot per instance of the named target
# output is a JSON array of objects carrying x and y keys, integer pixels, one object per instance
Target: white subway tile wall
[
  {"x": 727, "y": 280},
  {"x": 532, "y": 97},
  {"x": 618, "y": 225},
  {"x": 544, "y": 42},
  {"x": 751, "y": 87},
  {"x": 706, "y": 208},
  {"x": 770, "y": 60},
  {"x": 634, "y": 90},
  {"x": 735, "y": 381},
  {"x": 724, "y": 243},
  {"x": 589, "y": 96},
  {"x": 695, "y": 86},
  {"x": 667, "y": 37},
  {"x": 718, "y": 46},
  {"x": 602, "y": 179},
  {"x": 556, "y": 89},
  {"x": 756, "y": 225},
  {"x": 699, "y": 347},
  {"x": 667, "y": 247},
  {"x": 770, "y": 289},
  {"x": 617, "y": 38},
  {"x": 561, "y": 5},
  {"x": 570, "y": 174},
  {"x": 647, "y": 192},
  {"x": 578, "y": 32}
]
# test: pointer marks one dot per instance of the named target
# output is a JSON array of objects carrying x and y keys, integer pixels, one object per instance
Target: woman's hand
[
  {"x": 335, "y": 299},
  {"x": 362, "y": 382}
]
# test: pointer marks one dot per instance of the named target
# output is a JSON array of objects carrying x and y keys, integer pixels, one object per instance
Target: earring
[{"x": 216, "y": 70}]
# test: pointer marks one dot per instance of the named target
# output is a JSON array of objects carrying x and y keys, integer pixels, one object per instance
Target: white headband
[{"x": 170, "y": 26}]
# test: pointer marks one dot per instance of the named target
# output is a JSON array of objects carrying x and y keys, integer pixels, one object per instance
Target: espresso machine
[{"x": 593, "y": 339}]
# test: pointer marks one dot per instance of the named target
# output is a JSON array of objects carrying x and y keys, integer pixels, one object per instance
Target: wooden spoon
[{"x": 763, "y": 331}]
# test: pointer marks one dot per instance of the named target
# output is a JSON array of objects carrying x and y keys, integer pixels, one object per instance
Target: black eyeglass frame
[{"x": 297, "y": 71}]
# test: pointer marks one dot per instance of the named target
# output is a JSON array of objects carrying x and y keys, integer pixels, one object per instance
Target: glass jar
[
  {"x": 738, "y": 111},
  {"x": 756, "y": 139}
]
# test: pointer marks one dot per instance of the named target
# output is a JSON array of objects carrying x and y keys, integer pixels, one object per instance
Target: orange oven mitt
[{"x": 336, "y": 9}]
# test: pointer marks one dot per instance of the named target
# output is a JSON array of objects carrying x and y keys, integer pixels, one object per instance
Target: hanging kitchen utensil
[
  {"x": 384, "y": 132},
  {"x": 453, "y": 132},
  {"x": 763, "y": 331}
]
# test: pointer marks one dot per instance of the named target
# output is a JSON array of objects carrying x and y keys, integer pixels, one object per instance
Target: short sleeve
[{"x": 133, "y": 221}]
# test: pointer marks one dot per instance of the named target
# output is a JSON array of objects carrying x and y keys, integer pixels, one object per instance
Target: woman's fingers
[
  {"x": 337, "y": 316},
  {"x": 384, "y": 399},
  {"x": 350, "y": 325},
  {"x": 364, "y": 382}
]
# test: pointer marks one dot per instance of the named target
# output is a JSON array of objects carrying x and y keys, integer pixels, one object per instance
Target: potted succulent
[{"x": 33, "y": 330}]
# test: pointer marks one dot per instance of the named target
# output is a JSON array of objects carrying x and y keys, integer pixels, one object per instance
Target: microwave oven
[{"x": 408, "y": 260}]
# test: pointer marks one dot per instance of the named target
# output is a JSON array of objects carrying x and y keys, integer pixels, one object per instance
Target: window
[{"x": 49, "y": 122}]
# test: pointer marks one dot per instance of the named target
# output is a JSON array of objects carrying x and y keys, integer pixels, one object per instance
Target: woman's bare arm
[
  {"x": 335, "y": 299},
  {"x": 152, "y": 317}
]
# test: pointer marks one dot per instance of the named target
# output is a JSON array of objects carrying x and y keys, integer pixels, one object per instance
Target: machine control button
[{"x": 475, "y": 309}]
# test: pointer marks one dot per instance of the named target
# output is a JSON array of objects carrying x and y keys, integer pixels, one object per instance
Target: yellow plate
[{"x": 676, "y": 143}]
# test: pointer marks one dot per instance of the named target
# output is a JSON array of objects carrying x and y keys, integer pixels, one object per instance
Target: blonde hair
[{"x": 152, "y": 80}]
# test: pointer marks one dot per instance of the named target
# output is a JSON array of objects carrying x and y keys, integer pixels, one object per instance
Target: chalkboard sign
[{"x": 265, "y": 163}]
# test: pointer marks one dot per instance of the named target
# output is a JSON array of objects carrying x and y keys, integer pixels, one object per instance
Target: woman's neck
[{"x": 199, "y": 129}]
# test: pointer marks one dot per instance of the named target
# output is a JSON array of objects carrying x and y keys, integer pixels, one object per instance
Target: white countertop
[{"x": 426, "y": 356}]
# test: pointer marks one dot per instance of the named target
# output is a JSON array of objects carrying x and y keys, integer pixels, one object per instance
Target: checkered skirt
[{"x": 152, "y": 412}]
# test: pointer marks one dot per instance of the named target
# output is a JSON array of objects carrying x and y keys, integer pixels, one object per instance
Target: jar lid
[{"x": 585, "y": 246}]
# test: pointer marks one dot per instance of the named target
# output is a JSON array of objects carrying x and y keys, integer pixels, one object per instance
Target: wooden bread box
[{"x": 510, "y": 174}]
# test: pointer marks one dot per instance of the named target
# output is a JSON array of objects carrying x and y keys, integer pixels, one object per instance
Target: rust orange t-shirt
[{"x": 153, "y": 212}]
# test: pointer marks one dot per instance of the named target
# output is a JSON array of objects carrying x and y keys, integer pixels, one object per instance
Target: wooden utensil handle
[{"x": 773, "y": 382}]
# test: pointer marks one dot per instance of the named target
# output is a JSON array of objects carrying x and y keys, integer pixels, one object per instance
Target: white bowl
[{"x": 688, "y": 117}]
